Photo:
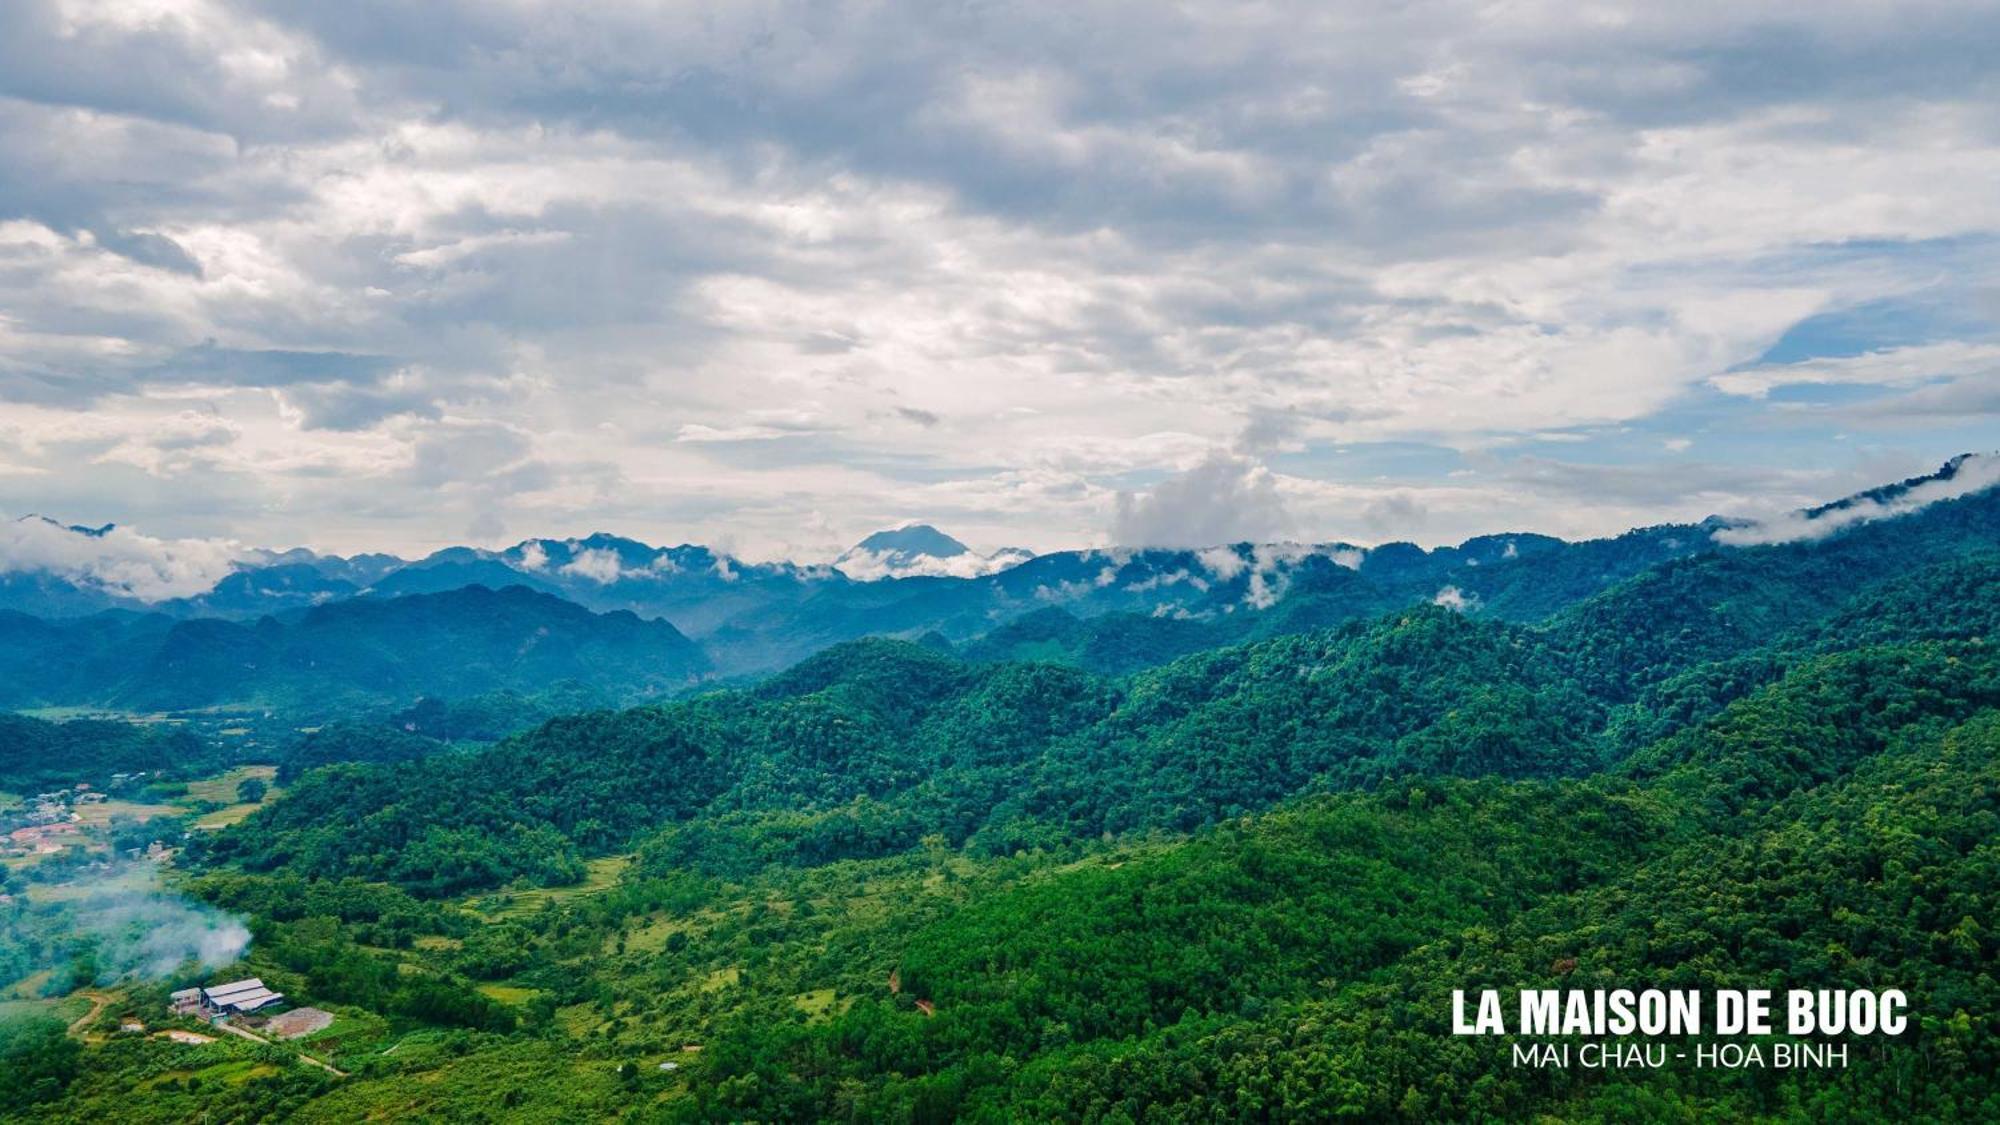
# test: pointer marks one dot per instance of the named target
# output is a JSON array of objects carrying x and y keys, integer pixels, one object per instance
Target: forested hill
[
  {"x": 869, "y": 747},
  {"x": 1241, "y": 884},
  {"x": 36, "y": 755},
  {"x": 344, "y": 654}
]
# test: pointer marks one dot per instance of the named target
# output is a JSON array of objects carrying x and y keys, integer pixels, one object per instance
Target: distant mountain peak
[
  {"x": 91, "y": 532},
  {"x": 914, "y": 539},
  {"x": 920, "y": 550}
]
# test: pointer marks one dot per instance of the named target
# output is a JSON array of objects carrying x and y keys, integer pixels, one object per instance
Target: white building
[{"x": 238, "y": 997}]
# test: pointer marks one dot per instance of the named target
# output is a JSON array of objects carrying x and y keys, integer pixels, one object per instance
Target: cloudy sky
[{"x": 771, "y": 275}]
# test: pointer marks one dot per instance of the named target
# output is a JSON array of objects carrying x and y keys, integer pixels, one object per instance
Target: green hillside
[{"x": 1152, "y": 878}]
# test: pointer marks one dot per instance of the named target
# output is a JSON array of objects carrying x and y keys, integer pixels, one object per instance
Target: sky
[{"x": 770, "y": 276}]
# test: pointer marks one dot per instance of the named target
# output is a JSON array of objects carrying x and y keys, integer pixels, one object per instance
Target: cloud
[
  {"x": 599, "y": 565},
  {"x": 703, "y": 269},
  {"x": 1948, "y": 360},
  {"x": 1222, "y": 500},
  {"x": 869, "y": 566},
  {"x": 266, "y": 367},
  {"x": 1268, "y": 431},
  {"x": 1398, "y": 516},
  {"x": 150, "y": 249},
  {"x": 477, "y": 455},
  {"x": 1719, "y": 486},
  {"x": 343, "y": 406},
  {"x": 1223, "y": 562},
  {"x": 1975, "y": 474},
  {"x": 118, "y": 561},
  {"x": 1455, "y": 599}
]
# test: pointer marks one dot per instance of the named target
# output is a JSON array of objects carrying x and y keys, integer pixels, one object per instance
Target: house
[{"x": 239, "y": 997}]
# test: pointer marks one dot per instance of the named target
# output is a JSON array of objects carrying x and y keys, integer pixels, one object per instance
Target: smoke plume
[{"x": 141, "y": 929}]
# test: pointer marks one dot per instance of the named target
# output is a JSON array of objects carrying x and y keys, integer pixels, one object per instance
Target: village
[
  {"x": 60, "y": 845},
  {"x": 49, "y": 822}
]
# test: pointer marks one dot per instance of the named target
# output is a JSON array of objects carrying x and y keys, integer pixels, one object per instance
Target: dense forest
[
  {"x": 325, "y": 660},
  {"x": 1126, "y": 869},
  {"x": 38, "y": 754}
]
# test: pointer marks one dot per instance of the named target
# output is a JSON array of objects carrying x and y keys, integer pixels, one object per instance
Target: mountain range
[{"x": 636, "y": 620}]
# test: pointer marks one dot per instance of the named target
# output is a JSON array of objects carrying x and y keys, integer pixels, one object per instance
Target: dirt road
[
  {"x": 303, "y": 1057},
  {"x": 98, "y": 1001}
]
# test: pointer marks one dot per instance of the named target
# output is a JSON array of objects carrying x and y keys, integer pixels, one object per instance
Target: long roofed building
[{"x": 238, "y": 997}]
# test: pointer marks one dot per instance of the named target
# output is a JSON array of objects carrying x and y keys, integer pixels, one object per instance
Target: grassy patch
[
  {"x": 820, "y": 1003},
  {"x": 135, "y": 879},
  {"x": 578, "y": 1020},
  {"x": 509, "y": 994},
  {"x": 221, "y": 789},
  {"x": 21, "y": 1009},
  {"x": 601, "y": 874},
  {"x": 652, "y": 936},
  {"x": 99, "y": 814}
]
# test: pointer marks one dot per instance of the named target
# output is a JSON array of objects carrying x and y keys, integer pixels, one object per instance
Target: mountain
[
  {"x": 919, "y": 549},
  {"x": 451, "y": 569},
  {"x": 698, "y": 589},
  {"x": 265, "y": 589},
  {"x": 1003, "y": 756},
  {"x": 359, "y": 652},
  {"x": 914, "y": 581}
]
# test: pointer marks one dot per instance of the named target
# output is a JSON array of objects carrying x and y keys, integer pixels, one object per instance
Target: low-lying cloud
[
  {"x": 1975, "y": 473},
  {"x": 118, "y": 560}
]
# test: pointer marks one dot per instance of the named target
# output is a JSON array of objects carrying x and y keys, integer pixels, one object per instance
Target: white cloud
[
  {"x": 1886, "y": 367},
  {"x": 987, "y": 266},
  {"x": 1166, "y": 579},
  {"x": 599, "y": 565},
  {"x": 1223, "y": 562},
  {"x": 1976, "y": 474},
  {"x": 1455, "y": 599},
  {"x": 1222, "y": 500},
  {"x": 119, "y": 561},
  {"x": 869, "y": 566}
]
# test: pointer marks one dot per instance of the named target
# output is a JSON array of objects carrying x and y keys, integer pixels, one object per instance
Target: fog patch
[{"x": 1455, "y": 599}]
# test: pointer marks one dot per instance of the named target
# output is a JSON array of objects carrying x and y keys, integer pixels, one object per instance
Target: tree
[
  {"x": 37, "y": 1062},
  {"x": 252, "y": 790}
]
